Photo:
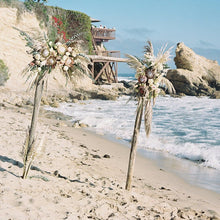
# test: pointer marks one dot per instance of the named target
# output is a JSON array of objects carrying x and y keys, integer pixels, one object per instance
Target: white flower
[
  {"x": 67, "y": 53},
  {"x": 150, "y": 81},
  {"x": 61, "y": 49},
  {"x": 50, "y": 43},
  {"x": 42, "y": 58},
  {"x": 37, "y": 56},
  {"x": 51, "y": 49},
  {"x": 51, "y": 61},
  {"x": 43, "y": 63},
  {"x": 64, "y": 58},
  {"x": 58, "y": 44},
  {"x": 39, "y": 69},
  {"x": 38, "y": 62},
  {"x": 45, "y": 53},
  {"x": 65, "y": 68},
  {"x": 77, "y": 60},
  {"x": 73, "y": 54},
  {"x": 68, "y": 62},
  {"x": 70, "y": 49}
]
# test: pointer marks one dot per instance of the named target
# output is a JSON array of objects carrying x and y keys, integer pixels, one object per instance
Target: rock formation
[{"x": 195, "y": 75}]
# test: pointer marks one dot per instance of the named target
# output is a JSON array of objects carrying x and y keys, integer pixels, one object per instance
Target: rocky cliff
[{"x": 195, "y": 75}]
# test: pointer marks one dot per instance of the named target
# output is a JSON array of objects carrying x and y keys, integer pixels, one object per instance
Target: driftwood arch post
[
  {"x": 150, "y": 73},
  {"x": 134, "y": 144}
]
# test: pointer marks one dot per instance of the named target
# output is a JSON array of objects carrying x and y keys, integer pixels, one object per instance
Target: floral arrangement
[
  {"x": 151, "y": 72},
  {"x": 150, "y": 75},
  {"x": 47, "y": 55}
]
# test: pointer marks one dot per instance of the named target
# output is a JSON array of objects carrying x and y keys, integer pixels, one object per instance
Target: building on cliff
[{"x": 104, "y": 63}]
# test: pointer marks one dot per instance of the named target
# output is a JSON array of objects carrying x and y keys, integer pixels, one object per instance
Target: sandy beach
[{"x": 81, "y": 175}]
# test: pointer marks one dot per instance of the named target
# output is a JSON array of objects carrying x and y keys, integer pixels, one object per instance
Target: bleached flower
[
  {"x": 58, "y": 44},
  {"x": 69, "y": 49},
  {"x": 61, "y": 49},
  {"x": 151, "y": 82},
  {"x": 68, "y": 62},
  {"x": 74, "y": 54},
  {"x": 42, "y": 58},
  {"x": 64, "y": 58},
  {"x": 65, "y": 68},
  {"x": 45, "y": 53},
  {"x": 37, "y": 56},
  {"x": 51, "y": 61},
  {"x": 51, "y": 49},
  {"x": 67, "y": 53},
  {"x": 37, "y": 62},
  {"x": 43, "y": 63}
]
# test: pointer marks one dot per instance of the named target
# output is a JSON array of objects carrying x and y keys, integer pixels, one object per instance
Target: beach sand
[{"x": 81, "y": 175}]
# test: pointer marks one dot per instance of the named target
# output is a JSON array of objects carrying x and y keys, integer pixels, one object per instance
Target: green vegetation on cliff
[{"x": 74, "y": 23}]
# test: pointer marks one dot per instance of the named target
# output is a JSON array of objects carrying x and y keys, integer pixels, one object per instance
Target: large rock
[{"x": 195, "y": 75}]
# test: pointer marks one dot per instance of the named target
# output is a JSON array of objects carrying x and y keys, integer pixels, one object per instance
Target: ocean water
[{"x": 186, "y": 128}]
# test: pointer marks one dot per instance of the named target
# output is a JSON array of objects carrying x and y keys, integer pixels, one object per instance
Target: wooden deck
[
  {"x": 102, "y": 34},
  {"x": 103, "y": 61},
  {"x": 98, "y": 58},
  {"x": 109, "y": 68}
]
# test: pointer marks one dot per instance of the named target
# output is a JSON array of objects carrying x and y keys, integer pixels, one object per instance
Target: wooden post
[
  {"x": 32, "y": 131},
  {"x": 116, "y": 72},
  {"x": 134, "y": 143},
  {"x": 103, "y": 68}
]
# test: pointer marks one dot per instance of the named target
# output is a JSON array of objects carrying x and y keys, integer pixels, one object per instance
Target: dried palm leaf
[
  {"x": 164, "y": 82},
  {"x": 162, "y": 57},
  {"x": 148, "y": 49},
  {"x": 134, "y": 62}
]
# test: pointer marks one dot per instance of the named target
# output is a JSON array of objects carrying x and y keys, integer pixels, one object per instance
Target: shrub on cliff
[{"x": 3, "y": 73}]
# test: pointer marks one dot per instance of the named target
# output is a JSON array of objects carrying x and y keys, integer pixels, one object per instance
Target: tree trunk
[
  {"x": 32, "y": 131},
  {"x": 134, "y": 143}
]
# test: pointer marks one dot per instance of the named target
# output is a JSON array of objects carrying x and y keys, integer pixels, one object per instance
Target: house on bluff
[{"x": 104, "y": 63}]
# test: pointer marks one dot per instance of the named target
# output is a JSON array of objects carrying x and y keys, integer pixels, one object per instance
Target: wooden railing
[
  {"x": 107, "y": 53},
  {"x": 103, "y": 33}
]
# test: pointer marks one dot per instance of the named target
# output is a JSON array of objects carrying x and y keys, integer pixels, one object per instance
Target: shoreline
[
  {"x": 73, "y": 178},
  {"x": 187, "y": 170}
]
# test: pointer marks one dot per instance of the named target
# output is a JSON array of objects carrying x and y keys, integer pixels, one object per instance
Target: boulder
[{"x": 195, "y": 75}]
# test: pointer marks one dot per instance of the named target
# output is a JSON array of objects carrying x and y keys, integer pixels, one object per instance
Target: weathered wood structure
[{"x": 104, "y": 62}]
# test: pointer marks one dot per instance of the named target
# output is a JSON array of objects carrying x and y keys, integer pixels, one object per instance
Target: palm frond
[
  {"x": 134, "y": 62},
  {"x": 148, "y": 49},
  {"x": 163, "y": 56},
  {"x": 148, "y": 117},
  {"x": 164, "y": 82},
  {"x": 29, "y": 40}
]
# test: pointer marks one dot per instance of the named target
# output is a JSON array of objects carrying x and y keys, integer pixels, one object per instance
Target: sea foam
[{"x": 187, "y": 127}]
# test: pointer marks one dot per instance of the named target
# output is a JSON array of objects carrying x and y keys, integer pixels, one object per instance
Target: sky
[{"x": 194, "y": 22}]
